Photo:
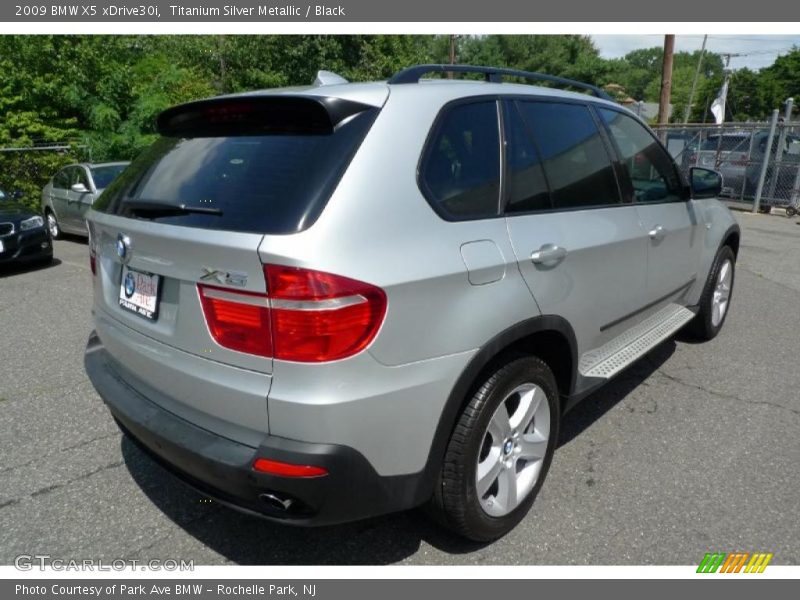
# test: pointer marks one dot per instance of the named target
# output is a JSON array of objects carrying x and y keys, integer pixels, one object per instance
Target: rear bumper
[{"x": 221, "y": 468}]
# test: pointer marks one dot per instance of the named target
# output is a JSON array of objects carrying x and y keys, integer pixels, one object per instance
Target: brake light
[
  {"x": 319, "y": 317},
  {"x": 237, "y": 320},
  {"x": 274, "y": 467},
  {"x": 308, "y": 316}
]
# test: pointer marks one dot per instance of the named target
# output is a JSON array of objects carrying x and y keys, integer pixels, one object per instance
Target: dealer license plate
[{"x": 139, "y": 293}]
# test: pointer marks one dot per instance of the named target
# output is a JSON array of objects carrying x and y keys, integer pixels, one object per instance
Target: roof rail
[{"x": 493, "y": 75}]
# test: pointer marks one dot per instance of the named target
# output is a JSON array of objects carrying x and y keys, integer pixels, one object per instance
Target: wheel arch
[
  {"x": 732, "y": 238},
  {"x": 549, "y": 337}
]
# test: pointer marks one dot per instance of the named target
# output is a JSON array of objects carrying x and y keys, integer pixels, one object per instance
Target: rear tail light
[
  {"x": 308, "y": 316},
  {"x": 318, "y": 317},
  {"x": 237, "y": 320}
]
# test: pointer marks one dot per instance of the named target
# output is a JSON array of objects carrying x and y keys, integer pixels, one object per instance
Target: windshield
[{"x": 103, "y": 176}]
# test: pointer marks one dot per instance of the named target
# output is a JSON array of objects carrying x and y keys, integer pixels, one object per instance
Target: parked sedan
[
  {"x": 23, "y": 235},
  {"x": 71, "y": 192}
]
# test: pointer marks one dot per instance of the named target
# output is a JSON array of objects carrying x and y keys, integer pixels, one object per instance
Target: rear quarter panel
[{"x": 378, "y": 228}]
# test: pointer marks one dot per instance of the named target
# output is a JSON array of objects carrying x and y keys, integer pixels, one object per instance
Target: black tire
[
  {"x": 791, "y": 211},
  {"x": 765, "y": 210},
  {"x": 702, "y": 326},
  {"x": 48, "y": 215},
  {"x": 456, "y": 502}
]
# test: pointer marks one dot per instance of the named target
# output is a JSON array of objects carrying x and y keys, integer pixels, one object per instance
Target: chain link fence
[
  {"x": 26, "y": 168},
  {"x": 738, "y": 151}
]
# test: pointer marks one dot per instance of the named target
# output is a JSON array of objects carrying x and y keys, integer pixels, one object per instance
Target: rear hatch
[{"x": 174, "y": 242}]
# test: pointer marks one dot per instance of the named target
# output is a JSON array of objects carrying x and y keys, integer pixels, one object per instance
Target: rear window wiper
[{"x": 158, "y": 208}]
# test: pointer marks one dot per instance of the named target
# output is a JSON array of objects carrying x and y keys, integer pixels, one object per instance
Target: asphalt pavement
[{"x": 696, "y": 448}]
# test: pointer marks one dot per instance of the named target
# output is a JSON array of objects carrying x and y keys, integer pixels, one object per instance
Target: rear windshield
[
  {"x": 103, "y": 176},
  {"x": 271, "y": 184}
]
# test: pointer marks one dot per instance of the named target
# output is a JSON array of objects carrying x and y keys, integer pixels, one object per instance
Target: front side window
[
  {"x": 573, "y": 154},
  {"x": 78, "y": 175},
  {"x": 460, "y": 170},
  {"x": 650, "y": 168}
]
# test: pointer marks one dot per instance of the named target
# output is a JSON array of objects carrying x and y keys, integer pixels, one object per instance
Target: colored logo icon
[{"x": 735, "y": 562}]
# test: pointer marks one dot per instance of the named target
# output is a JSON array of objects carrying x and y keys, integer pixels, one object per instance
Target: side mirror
[
  {"x": 705, "y": 183},
  {"x": 79, "y": 188}
]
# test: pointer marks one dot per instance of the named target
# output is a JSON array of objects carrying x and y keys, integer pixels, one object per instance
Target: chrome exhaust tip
[{"x": 276, "y": 502}]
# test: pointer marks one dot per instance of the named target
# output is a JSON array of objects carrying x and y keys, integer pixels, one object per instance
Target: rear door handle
[
  {"x": 657, "y": 233},
  {"x": 548, "y": 253}
]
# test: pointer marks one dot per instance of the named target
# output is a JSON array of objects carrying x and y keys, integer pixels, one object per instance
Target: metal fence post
[
  {"x": 767, "y": 152},
  {"x": 794, "y": 196},
  {"x": 787, "y": 118}
]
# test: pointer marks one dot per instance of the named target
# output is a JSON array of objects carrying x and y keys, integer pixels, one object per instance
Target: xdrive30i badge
[{"x": 225, "y": 277}]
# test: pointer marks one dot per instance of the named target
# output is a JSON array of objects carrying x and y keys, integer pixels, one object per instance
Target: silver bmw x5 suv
[{"x": 322, "y": 304}]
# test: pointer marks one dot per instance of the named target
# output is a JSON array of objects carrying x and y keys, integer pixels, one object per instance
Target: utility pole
[
  {"x": 223, "y": 69},
  {"x": 688, "y": 111},
  {"x": 666, "y": 80},
  {"x": 453, "y": 57}
]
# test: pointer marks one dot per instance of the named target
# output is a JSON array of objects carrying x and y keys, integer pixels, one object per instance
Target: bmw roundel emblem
[
  {"x": 123, "y": 247},
  {"x": 130, "y": 285}
]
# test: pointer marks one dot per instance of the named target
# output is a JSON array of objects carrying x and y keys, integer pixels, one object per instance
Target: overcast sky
[{"x": 760, "y": 50}]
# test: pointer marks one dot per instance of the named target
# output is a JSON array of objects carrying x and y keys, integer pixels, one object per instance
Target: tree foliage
[{"x": 101, "y": 94}]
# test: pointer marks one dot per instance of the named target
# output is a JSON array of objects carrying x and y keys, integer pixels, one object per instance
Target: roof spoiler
[
  {"x": 492, "y": 75},
  {"x": 256, "y": 115}
]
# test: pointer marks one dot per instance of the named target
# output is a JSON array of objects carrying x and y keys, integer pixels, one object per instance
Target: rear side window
[
  {"x": 275, "y": 183},
  {"x": 103, "y": 176},
  {"x": 61, "y": 180},
  {"x": 460, "y": 169},
  {"x": 526, "y": 185},
  {"x": 573, "y": 154},
  {"x": 652, "y": 172}
]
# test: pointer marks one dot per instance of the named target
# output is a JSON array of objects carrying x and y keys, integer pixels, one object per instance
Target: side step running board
[{"x": 610, "y": 358}]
